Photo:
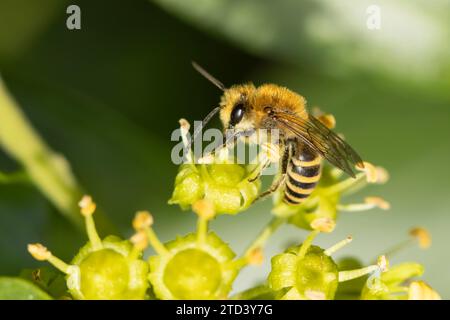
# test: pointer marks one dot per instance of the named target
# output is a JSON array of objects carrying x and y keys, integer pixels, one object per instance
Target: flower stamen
[
  {"x": 142, "y": 223},
  {"x": 338, "y": 246},
  {"x": 88, "y": 207},
  {"x": 41, "y": 253},
  {"x": 376, "y": 269},
  {"x": 205, "y": 212}
]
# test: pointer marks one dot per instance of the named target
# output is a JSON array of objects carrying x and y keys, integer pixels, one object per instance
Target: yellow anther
[
  {"x": 370, "y": 170},
  {"x": 338, "y": 246},
  {"x": 184, "y": 125},
  {"x": 323, "y": 224},
  {"x": 140, "y": 240},
  {"x": 423, "y": 237},
  {"x": 204, "y": 209},
  {"x": 142, "y": 220},
  {"x": 379, "y": 202},
  {"x": 39, "y": 252},
  {"x": 87, "y": 206},
  {"x": 328, "y": 120},
  {"x": 255, "y": 257},
  {"x": 382, "y": 175},
  {"x": 419, "y": 290},
  {"x": 383, "y": 263}
]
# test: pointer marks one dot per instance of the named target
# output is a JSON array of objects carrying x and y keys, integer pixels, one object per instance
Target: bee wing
[{"x": 320, "y": 139}]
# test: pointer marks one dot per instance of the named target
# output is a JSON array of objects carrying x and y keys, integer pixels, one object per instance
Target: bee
[{"x": 305, "y": 140}]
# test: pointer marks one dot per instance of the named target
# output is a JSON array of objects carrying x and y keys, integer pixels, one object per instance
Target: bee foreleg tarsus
[
  {"x": 274, "y": 187},
  {"x": 256, "y": 174}
]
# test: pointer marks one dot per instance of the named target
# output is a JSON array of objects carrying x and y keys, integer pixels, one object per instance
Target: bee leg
[
  {"x": 274, "y": 187},
  {"x": 258, "y": 172},
  {"x": 284, "y": 163}
]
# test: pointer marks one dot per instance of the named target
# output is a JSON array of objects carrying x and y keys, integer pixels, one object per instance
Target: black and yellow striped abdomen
[{"x": 302, "y": 175}]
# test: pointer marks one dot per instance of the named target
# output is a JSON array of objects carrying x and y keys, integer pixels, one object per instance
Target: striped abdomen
[{"x": 302, "y": 175}]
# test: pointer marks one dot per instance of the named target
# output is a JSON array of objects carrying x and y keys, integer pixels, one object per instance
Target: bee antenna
[
  {"x": 208, "y": 76},
  {"x": 197, "y": 131}
]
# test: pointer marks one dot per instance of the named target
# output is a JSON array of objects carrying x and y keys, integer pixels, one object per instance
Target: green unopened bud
[
  {"x": 312, "y": 276},
  {"x": 225, "y": 184},
  {"x": 194, "y": 270}
]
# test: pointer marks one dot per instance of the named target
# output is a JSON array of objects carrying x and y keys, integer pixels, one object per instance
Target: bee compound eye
[{"x": 237, "y": 114}]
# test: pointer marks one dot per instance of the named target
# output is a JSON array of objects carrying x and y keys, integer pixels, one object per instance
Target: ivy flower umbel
[
  {"x": 308, "y": 272},
  {"x": 229, "y": 186},
  {"x": 103, "y": 269},
  {"x": 196, "y": 266}
]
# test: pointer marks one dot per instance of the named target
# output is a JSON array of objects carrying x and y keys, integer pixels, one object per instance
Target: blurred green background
[{"x": 109, "y": 95}]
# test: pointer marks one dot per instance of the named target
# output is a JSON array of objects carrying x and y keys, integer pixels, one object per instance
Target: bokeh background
[{"x": 109, "y": 95}]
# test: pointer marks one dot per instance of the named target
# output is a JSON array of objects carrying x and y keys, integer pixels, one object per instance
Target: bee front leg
[{"x": 280, "y": 181}]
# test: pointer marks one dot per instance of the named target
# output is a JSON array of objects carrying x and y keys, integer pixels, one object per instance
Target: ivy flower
[
  {"x": 196, "y": 266},
  {"x": 308, "y": 272},
  {"x": 102, "y": 269},
  {"x": 229, "y": 186}
]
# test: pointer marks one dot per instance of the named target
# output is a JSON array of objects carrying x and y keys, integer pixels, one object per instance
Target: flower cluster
[{"x": 200, "y": 265}]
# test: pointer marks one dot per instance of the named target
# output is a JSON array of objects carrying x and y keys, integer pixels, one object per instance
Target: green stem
[
  {"x": 92, "y": 233},
  {"x": 265, "y": 234},
  {"x": 157, "y": 245},
  {"x": 202, "y": 230},
  {"x": 307, "y": 243},
  {"x": 49, "y": 171}
]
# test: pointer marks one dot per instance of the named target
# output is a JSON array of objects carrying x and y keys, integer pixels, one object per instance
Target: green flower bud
[
  {"x": 194, "y": 269},
  {"x": 313, "y": 275},
  {"x": 224, "y": 183}
]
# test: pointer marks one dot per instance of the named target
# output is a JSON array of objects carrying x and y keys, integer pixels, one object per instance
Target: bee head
[{"x": 236, "y": 108}]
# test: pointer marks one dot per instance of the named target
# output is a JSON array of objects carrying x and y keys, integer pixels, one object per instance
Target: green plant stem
[
  {"x": 49, "y": 171},
  {"x": 265, "y": 234}
]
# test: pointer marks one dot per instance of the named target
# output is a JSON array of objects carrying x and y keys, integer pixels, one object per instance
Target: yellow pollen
[
  {"x": 39, "y": 252},
  {"x": 140, "y": 240},
  {"x": 87, "y": 206},
  {"x": 255, "y": 257},
  {"x": 382, "y": 175},
  {"x": 204, "y": 209},
  {"x": 379, "y": 202},
  {"x": 370, "y": 171},
  {"x": 383, "y": 263},
  {"x": 323, "y": 224},
  {"x": 142, "y": 220},
  {"x": 328, "y": 120},
  {"x": 423, "y": 237},
  {"x": 184, "y": 124}
]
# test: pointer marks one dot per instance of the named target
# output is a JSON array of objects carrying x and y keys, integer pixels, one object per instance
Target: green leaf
[
  {"x": 48, "y": 279},
  {"x": 19, "y": 289}
]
